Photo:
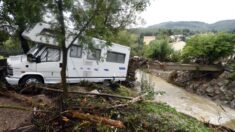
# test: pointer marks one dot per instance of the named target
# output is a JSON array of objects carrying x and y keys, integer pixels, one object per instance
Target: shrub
[
  {"x": 159, "y": 49},
  {"x": 1, "y": 57},
  {"x": 207, "y": 48},
  {"x": 175, "y": 56}
]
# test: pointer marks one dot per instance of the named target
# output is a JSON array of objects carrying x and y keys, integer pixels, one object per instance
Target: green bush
[
  {"x": 175, "y": 56},
  {"x": 159, "y": 49},
  {"x": 1, "y": 57},
  {"x": 207, "y": 48}
]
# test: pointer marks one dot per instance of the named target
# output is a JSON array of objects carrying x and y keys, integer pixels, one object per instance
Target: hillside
[
  {"x": 225, "y": 25},
  {"x": 192, "y": 25}
]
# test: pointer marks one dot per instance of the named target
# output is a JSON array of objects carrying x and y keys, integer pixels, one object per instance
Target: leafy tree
[
  {"x": 129, "y": 39},
  {"x": 175, "y": 56},
  {"x": 141, "y": 39},
  {"x": 3, "y": 36},
  {"x": 207, "y": 48},
  {"x": 16, "y": 15},
  {"x": 11, "y": 46},
  {"x": 159, "y": 49},
  {"x": 164, "y": 33},
  {"x": 92, "y": 18}
]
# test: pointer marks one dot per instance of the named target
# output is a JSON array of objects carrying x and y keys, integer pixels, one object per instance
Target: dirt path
[
  {"x": 190, "y": 104},
  {"x": 9, "y": 118}
]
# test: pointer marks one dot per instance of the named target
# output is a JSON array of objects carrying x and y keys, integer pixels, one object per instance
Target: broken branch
[
  {"x": 97, "y": 119},
  {"x": 15, "y": 107},
  {"x": 86, "y": 93},
  {"x": 134, "y": 100}
]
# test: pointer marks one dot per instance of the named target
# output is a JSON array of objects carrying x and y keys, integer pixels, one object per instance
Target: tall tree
[
  {"x": 92, "y": 18},
  {"x": 17, "y": 15},
  {"x": 208, "y": 48}
]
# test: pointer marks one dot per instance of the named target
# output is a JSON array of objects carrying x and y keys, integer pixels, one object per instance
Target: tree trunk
[
  {"x": 23, "y": 43},
  {"x": 64, "y": 49}
]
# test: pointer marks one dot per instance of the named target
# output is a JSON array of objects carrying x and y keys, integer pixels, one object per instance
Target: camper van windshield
[{"x": 34, "y": 49}]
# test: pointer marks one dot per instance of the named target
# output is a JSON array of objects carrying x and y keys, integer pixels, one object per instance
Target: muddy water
[{"x": 190, "y": 104}]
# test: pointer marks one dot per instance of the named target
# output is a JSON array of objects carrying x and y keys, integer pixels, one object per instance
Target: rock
[
  {"x": 220, "y": 84},
  {"x": 231, "y": 85},
  {"x": 232, "y": 103},
  {"x": 216, "y": 98},
  {"x": 225, "y": 102},
  {"x": 213, "y": 82},
  {"x": 212, "y": 94},
  {"x": 95, "y": 91},
  {"x": 210, "y": 90},
  {"x": 226, "y": 82},
  {"x": 222, "y": 89},
  {"x": 228, "y": 98},
  {"x": 191, "y": 86},
  {"x": 204, "y": 86},
  {"x": 224, "y": 75},
  {"x": 217, "y": 91},
  {"x": 200, "y": 92},
  {"x": 196, "y": 85}
]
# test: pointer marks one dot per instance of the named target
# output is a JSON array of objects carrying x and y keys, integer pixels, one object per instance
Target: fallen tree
[{"x": 96, "y": 119}]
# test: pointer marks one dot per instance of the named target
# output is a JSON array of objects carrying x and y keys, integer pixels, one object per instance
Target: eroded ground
[
  {"x": 190, "y": 104},
  {"x": 11, "y": 118}
]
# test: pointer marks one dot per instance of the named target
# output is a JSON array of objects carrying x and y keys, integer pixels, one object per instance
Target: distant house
[
  {"x": 148, "y": 39},
  {"x": 177, "y": 38}
]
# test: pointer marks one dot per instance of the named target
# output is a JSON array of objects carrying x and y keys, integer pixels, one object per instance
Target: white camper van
[{"x": 42, "y": 64}]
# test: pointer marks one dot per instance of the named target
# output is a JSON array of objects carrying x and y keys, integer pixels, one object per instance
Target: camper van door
[{"x": 50, "y": 65}]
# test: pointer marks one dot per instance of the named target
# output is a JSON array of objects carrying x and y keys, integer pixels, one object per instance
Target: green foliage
[
  {"x": 164, "y": 34},
  {"x": 11, "y": 45},
  {"x": 159, "y": 49},
  {"x": 165, "y": 118},
  {"x": 208, "y": 48},
  {"x": 124, "y": 91},
  {"x": 129, "y": 39},
  {"x": 108, "y": 17},
  {"x": 175, "y": 56},
  {"x": 1, "y": 57},
  {"x": 22, "y": 12},
  {"x": 17, "y": 15},
  {"x": 231, "y": 76},
  {"x": 3, "y": 36}
]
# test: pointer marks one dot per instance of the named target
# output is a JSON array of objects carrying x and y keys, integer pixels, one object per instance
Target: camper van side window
[
  {"x": 95, "y": 55},
  {"x": 50, "y": 55},
  {"x": 76, "y": 51},
  {"x": 115, "y": 57}
]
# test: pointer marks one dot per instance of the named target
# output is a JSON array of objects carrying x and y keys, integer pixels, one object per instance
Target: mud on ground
[{"x": 10, "y": 118}]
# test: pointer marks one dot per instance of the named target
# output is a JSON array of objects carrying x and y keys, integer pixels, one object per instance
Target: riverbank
[{"x": 190, "y": 104}]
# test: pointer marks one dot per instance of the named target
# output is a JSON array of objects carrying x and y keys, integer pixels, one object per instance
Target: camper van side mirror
[{"x": 31, "y": 58}]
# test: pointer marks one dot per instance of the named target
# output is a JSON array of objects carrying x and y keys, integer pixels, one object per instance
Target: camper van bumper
[{"x": 12, "y": 80}]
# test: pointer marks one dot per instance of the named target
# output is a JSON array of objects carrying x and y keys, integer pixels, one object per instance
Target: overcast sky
[{"x": 208, "y": 11}]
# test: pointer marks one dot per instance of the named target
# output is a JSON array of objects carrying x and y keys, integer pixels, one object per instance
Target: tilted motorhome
[{"x": 42, "y": 64}]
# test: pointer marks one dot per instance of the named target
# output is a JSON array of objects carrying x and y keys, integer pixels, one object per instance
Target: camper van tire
[{"x": 30, "y": 80}]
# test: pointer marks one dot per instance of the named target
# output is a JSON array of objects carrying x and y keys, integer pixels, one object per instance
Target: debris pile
[
  {"x": 134, "y": 64},
  {"x": 95, "y": 112}
]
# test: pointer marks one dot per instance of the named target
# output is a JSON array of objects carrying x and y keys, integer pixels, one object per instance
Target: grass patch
[{"x": 165, "y": 118}]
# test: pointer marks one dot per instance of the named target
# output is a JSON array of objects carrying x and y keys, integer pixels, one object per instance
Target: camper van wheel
[{"x": 31, "y": 81}]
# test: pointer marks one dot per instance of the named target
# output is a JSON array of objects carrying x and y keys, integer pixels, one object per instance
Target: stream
[{"x": 190, "y": 104}]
